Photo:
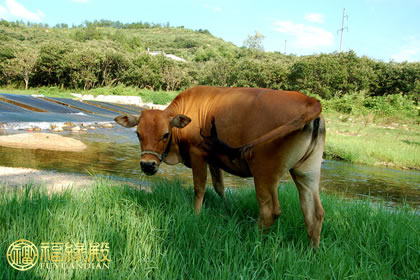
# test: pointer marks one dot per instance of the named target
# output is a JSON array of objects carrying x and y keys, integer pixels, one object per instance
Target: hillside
[
  {"x": 107, "y": 54},
  {"x": 182, "y": 42}
]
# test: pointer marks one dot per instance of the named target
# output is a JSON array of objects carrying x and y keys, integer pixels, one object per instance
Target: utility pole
[
  {"x": 343, "y": 28},
  {"x": 285, "y": 44}
]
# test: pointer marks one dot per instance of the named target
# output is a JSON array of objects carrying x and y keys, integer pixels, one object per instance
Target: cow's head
[{"x": 154, "y": 130}]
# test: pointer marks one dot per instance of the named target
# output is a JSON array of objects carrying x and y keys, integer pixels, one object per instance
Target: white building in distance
[{"x": 171, "y": 56}]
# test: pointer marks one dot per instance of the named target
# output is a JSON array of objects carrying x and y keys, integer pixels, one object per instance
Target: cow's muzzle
[{"x": 149, "y": 167}]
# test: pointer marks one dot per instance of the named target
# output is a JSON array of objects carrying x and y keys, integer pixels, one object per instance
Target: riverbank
[
  {"x": 23, "y": 178},
  {"x": 148, "y": 97},
  {"x": 157, "y": 235},
  {"x": 13, "y": 177},
  {"x": 387, "y": 135},
  {"x": 360, "y": 139}
]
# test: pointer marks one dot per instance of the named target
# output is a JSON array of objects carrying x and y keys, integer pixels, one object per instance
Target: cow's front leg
[{"x": 199, "y": 170}]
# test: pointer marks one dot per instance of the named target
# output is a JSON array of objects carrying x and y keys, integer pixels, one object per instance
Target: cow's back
[{"x": 241, "y": 114}]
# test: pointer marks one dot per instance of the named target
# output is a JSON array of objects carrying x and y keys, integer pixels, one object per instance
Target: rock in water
[{"x": 44, "y": 141}]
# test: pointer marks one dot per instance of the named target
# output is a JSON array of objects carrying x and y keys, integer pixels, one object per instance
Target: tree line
[{"x": 106, "y": 54}]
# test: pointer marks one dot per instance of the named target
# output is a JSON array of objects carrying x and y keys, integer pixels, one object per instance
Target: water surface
[{"x": 115, "y": 152}]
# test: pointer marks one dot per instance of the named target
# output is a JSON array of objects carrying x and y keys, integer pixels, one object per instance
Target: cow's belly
[{"x": 236, "y": 167}]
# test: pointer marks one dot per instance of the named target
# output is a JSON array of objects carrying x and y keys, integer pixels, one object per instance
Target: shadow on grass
[
  {"x": 224, "y": 234},
  {"x": 359, "y": 239},
  {"x": 411, "y": 142}
]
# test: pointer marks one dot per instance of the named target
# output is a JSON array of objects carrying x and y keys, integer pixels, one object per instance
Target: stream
[{"x": 115, "y": 152}]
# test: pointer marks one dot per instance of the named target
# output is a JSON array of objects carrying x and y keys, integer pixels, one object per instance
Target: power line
[{"x": 343, "y": 28}]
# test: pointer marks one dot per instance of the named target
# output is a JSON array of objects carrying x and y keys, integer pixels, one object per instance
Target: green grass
[
  {"x": 157, "y": 235},
  {"x": 156, "y": 97},
  {"x": 46, "y": 91},
  {"x": 363, "y": 140}
]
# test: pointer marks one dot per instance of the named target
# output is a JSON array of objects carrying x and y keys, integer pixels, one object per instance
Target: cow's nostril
[
  {"x": 147, "y": 165},
  {"x": 149, "y": 168}
]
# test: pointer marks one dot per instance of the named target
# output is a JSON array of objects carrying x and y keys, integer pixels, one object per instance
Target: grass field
[
  {"x": 157, "y": 236},
  {"x": 359, "y": 139}
]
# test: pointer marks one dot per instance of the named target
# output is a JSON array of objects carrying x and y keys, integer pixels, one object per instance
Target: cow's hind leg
[
  {"x": 217, "y": 179},
  {"x": 306, "y": 178}
]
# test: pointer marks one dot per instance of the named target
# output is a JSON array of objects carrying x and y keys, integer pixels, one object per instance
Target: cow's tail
[
  {"x": 312, "y": 113},
  {"x": 318, "y": 134}
]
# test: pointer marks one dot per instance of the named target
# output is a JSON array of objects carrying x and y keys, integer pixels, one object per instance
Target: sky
[{"x": 387, "y": 30}]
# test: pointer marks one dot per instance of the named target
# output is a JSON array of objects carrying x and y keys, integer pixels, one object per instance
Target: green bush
[
  {"x": 391, "y": 105},
  {"x": 347, "y": 104},
  {"x": 120, "y": 89},
  {"x": 330, "y": 75},
  {"x": 360, "y": 103},
  {"x": 158, "y": 97},
  {"x": 52, "y": 67},
  {"x": 396, "y": 78}
]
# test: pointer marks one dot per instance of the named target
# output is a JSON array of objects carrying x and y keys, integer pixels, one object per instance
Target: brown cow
[{"x": 248, "y": 132}]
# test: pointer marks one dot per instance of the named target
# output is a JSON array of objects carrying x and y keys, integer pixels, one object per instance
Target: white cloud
[
  {"x": 408, "y": 52},
  {"x": 212, "y": 8},
  {"x": 315, "y": 18},
  {"x": 14, "y": 9},
  {"x": 3, "y": 12},
  {"x": 40, "y": 13},
  {"x": 305, "y": 36},
  {"x": 80, "y": 1}
]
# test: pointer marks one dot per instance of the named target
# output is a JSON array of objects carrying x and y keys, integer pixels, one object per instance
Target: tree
[
  {"x": 52, "y": 67},
  {"x": 22, "y": 65},
  {"x": 113, "y": 65},
  {"x": 85, "y": 67},
  {"x": 254, "y": 42},
  {"x": 174, "y": 75}
]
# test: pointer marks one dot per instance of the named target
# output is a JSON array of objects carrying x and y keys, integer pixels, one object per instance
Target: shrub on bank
[{"x": 359, "y": 103}]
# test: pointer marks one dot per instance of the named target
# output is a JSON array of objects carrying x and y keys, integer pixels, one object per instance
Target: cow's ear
[
  {"x": 127, "y": 120},
  {"x": 180, "y": 121}
]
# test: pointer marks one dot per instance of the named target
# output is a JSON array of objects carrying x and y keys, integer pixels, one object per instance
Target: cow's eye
[{"x": 165, "y": 136}]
